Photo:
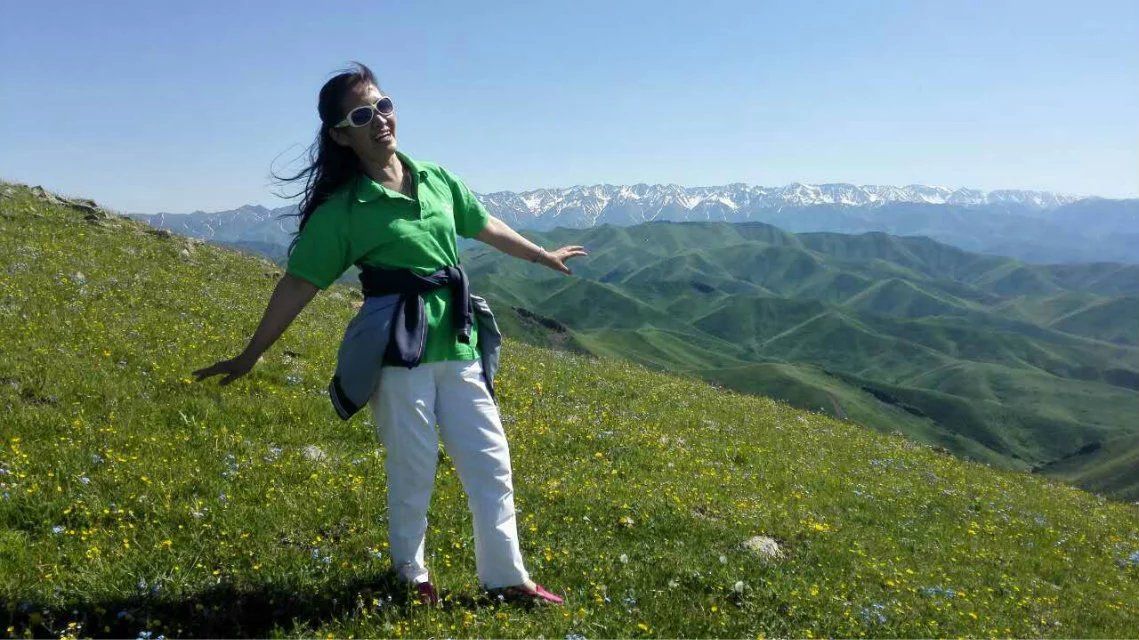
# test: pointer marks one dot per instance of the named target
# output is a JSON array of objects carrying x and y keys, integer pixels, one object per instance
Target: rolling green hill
[
  {"x": 136, "y": 502},
  {"x": 1111, "y": 320},
  {"x": 1014, "y": 364},
  {"x": 1103, "y": 467}
]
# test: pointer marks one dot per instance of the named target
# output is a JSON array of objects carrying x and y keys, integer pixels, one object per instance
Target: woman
[{"x": 366, "y": 203}]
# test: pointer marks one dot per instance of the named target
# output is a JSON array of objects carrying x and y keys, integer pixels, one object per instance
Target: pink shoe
[
  {"x": 426, "y": 593},
  {"x": 523, "y": 595}
]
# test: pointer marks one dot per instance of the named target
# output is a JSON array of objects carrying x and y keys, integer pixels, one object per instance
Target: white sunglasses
[{"x": 363, "y": 114}]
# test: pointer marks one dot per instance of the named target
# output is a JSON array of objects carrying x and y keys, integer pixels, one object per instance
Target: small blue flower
[
  {"x": 231, "y": 466},
  {"x": 57, "y": 529},
  {"x": 316, "y": 555},
  {"x": 873, "y": 613}
]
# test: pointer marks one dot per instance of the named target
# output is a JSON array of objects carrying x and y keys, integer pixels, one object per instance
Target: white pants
[{"x": 405, "y": 407}]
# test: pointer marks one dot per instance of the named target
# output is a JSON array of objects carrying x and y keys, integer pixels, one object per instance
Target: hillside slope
[
  {"x": 1000, "y": 361},
  {"x": 135, "y": 501}
]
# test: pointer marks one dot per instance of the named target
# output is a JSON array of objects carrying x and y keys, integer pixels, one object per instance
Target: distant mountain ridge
[
  {"x": 250, "y": 223},
  {"x": 1034, "y": 226},
  {"x": 741, "y": 197}
]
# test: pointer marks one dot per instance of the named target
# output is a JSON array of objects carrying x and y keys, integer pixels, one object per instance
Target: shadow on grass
[{"x": 226, "y": 611}]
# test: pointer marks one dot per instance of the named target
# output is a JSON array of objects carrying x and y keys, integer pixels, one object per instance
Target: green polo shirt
[{"x": 366, "y": 223}]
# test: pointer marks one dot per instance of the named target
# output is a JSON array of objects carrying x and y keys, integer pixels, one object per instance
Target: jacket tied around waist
[{"x": 391, "y": 328}]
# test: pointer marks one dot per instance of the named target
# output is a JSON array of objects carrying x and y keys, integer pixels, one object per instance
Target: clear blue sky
[{"x": 164, "y": 106}]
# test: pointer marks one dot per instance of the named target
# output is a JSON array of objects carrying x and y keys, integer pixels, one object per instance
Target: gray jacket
[{"x": 361, "y": 353}]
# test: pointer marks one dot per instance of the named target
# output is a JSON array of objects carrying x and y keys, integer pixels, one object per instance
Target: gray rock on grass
[{"x": 764, "y": 547}]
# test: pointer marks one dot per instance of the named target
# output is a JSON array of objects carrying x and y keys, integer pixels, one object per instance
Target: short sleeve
[
  {"x": 470, "y": 215},
  {"x": 320, "y": 254}
]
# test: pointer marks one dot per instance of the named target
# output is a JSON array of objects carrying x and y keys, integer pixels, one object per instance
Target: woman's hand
[
  {"x": 289, "y": 298},
  {"x": 234, "y": 368},
  {"x": 556, "y": 259},
  {"x": 499, "y": 235}
]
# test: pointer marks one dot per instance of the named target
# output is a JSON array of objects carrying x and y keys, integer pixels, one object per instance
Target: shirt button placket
[{"x": 415, "y": 196}]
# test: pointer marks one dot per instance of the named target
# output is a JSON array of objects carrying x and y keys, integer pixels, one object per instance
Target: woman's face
[{"x": 374, "y": 141}]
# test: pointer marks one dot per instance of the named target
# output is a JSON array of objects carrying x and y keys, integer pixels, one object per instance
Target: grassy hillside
[
  {"x": 1114, "y": 320},
  {"x": 1018, "y": 365},
  {"x": 1102, "y": 467},
  {"x": 133, "y": 500}
]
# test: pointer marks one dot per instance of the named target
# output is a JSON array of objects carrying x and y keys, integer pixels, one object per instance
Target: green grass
[
  {"x": 1000, "y": 361},
  {"x": 133, "y": 499},
  {"x": 1113, "y": 320}
]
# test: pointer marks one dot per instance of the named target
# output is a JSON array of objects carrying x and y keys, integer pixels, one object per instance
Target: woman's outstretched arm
[
  {"x": 289, "y": 298},
  {"x": 499, "y": 235}
]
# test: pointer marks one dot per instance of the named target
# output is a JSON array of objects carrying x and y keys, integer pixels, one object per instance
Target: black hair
[{"x": 330, "y": 165}]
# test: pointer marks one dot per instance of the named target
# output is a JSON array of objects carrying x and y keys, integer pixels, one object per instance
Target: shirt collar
[{"x": 368, "y": 189}]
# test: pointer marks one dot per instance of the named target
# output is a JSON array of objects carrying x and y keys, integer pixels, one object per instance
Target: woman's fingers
[
  {"x": 565, "y": 253},
  {"x": 230, "y": 367},
  {"x": 575, "y": 250},
  {"x": 558, "y": 257},
  {"x": 206, "y": 372}
]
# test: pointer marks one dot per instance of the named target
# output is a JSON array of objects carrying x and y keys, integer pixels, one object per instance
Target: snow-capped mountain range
[
  {"x": 1036, "y": 226},
  {"x": 643, "y": 202}
]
